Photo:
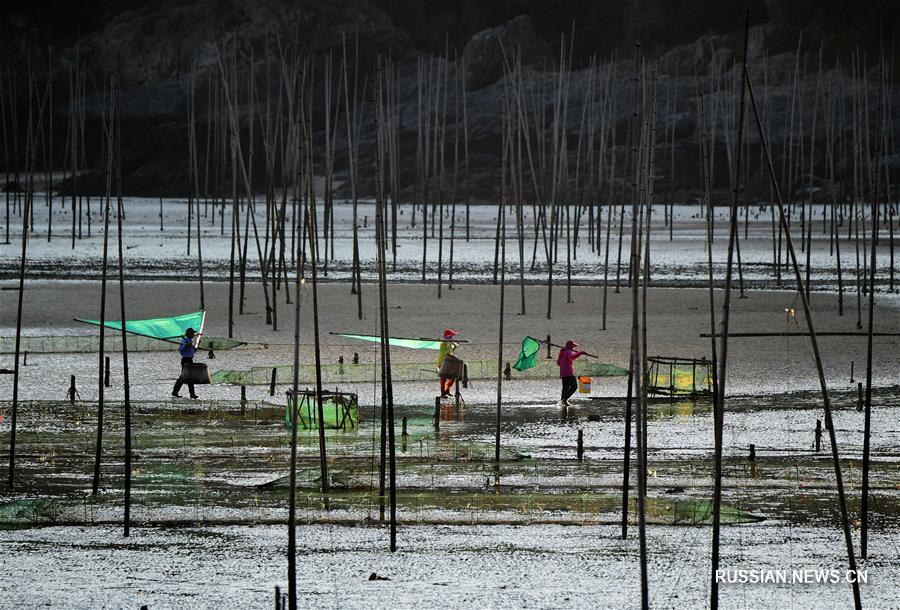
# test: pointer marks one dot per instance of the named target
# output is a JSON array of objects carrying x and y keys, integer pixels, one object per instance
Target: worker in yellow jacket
[{"x": 448, "y": 346}]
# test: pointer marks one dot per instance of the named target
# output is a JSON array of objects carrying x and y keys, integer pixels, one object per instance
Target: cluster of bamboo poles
[
  {"x": 643, "y": 186},
  {"x": 560, "y": 163},
  {"x": 567, "y": 158},
  {"x": 111, "y": 128}
]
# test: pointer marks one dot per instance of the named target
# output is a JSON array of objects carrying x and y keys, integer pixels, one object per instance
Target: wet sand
[{"x": 676, "y": 319}]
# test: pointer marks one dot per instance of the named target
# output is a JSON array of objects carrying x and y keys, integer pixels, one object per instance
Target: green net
[
  {"x": 220, "y": 343},
  {"x": 528, "y": 356},
  {"x": 339, "y": 412},
  {"x": 398, "y": 341},
  {"x": 401, "y": 371},
  {"x": 157, "y": 328}
]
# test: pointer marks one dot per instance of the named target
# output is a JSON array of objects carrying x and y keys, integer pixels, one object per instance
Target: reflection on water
[
  {"x": 679, "y": 410},
  {"x": 450, "y": 412}
]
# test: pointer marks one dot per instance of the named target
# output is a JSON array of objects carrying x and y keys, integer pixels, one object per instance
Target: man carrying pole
[{"x": 187, "y": 349}]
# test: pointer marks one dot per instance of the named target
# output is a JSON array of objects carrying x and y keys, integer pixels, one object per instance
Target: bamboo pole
[
  {"x": 116, "y": 126},
  {"x": 672, "y": 157},
  {"x": 458, "y": 88},
  {"x": 610, "y": 205},
  {"x": 381, "y": 254},
  {"x": 292, "y": 499},
  {"x": 311, "y": 227},
  {"x": 73, "y": 114},
  {"x": 704, "y": 164},
  {"x": 845, "y": 521},
  {"x": 234, "y": 213},
  {"x": 516, "y": 177},
  {"x": 719, "y": 406},
  {"x": 103, "y": 274},
  {"x": 867, "y": 426},
  {"x": 465, "y": 144},
  {"x": 83, "y": 151},
  {"x": 29, "y": 197},
  {"x": 501, "y": 214},
  {"x": 49, "y": 165},
  {"x": 440, "y": 139},
  {"x": 6, "y": 161},
  {"x": 356, "y": 283},
  {"x": 195, "y": 173},
  {"x": 636, "y": 356},
  {"x": 812, "y": 149}
]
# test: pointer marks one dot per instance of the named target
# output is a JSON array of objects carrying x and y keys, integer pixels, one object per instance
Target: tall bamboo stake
[
  {"x": 610, "y": 205},
  {"x": 234, "y": 213},
  {"x": 501, "y": 214},
  {"x": 707, "y": 192},
  {"x": 313, "y": 259},
  {"x": 103, "y": 273},
  {"x": 195, "y": 173},
  {"x": 719, "y": 405},
  {"x": 6, "y": 162},
  {"x": 457, "y": 89},
  {"x": 292, "y": 499},
  {"x": 845, "y": 521},
  {"x": 356, "y": 283},
  {"x": 636, "y": 355},
  {"x": 50, "y": 151},
  {"x": 381, "y": 255},
  {"x": 867, "y": 426},
  {"x": 29, "y": 196},
  {"x": 115, "y": 123}
]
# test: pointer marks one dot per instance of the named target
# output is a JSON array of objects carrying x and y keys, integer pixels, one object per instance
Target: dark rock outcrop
[{"x": 486, "y": 52}]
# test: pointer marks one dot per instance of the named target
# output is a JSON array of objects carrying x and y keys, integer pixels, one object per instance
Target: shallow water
[
  {"x": 153, "y": 253},
  {"x": 210, "y": 490}
]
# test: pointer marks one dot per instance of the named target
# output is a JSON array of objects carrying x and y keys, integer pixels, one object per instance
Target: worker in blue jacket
[{"x": 187, "y": 349}]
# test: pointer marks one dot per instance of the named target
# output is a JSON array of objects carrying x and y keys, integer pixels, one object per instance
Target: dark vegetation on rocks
[{"x": 155, "y": 47}]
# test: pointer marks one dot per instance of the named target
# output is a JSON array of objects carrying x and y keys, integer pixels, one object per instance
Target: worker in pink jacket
[{"x": 565, "y": 361}]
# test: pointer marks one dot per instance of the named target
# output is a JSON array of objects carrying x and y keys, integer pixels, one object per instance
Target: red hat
[
  {"x": 570, "y": 344},
  {"x": 449, "y": 332}
]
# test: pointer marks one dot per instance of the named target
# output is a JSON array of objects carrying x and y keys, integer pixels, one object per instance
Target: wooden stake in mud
[
  {"x": 103, "y": 273},
  {"x": 829, "y": 422}
]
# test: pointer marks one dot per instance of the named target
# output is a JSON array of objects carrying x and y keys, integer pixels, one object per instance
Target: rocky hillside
[{"x": 161, "y": 49}]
